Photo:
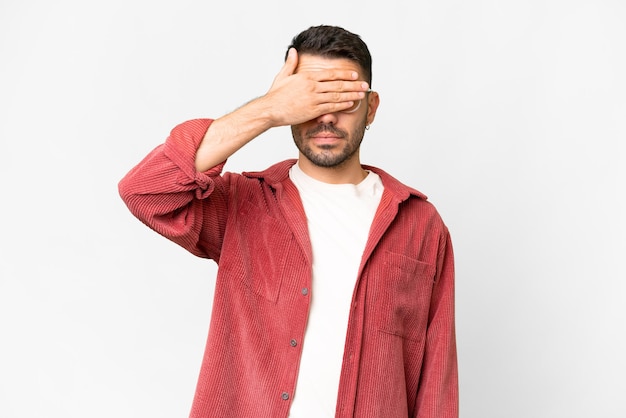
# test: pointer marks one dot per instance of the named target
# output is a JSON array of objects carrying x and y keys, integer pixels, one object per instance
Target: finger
[
  {"x": 342, "y": 86},
  {"x": 341, "y": 97},
  {"x": 291, "y": 63},
  {"x": 332, "y": 75},
  {"x": 334, "y": 107}
]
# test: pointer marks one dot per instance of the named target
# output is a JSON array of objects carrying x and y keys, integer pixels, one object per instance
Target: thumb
[{"x": 291, "y": 63}]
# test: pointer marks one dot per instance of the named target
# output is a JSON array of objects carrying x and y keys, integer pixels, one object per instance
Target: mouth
[
  {"x": 325, "y": 139},
  {"x": 325, "y": 135}
]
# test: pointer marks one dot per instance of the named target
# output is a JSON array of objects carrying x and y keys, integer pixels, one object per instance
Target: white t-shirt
[{"x": 339, "y": 217}]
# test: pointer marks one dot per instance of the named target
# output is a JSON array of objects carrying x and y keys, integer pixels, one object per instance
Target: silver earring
[{"x": 367, "y": 127}]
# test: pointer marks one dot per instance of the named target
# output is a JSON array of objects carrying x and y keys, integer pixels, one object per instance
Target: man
[{"x": 335, "y": 287}]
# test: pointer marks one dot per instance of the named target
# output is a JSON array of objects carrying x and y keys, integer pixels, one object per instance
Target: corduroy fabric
[{"x": 400, "y": 354}]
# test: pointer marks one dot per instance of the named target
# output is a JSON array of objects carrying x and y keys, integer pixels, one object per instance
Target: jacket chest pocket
[
  {"x": 400, "y": 290},
  {"x": 261, "y": 246}
]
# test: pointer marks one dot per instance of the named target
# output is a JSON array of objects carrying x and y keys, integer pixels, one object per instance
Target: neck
[{"x": 350, "y": 172}]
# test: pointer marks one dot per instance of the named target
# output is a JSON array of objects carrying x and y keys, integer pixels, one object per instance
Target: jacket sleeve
[
  {"x": 438, "y": 395},
  {"x": 166, "y": 192}
]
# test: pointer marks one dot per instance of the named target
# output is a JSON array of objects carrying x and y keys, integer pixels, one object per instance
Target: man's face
[{"x": 334, "y": 138}]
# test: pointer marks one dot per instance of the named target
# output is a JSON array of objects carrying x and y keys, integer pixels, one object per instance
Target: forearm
[{"x": 229, "y": 133}]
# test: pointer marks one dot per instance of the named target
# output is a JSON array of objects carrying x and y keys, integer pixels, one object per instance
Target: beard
[{"x": 330, "y": 155}]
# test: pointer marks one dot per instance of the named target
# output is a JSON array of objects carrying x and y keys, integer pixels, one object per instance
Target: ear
[{"x": 373, "y": 100}]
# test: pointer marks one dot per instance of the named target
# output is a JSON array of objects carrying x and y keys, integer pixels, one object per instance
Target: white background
[{"x": 509, "y": 115}]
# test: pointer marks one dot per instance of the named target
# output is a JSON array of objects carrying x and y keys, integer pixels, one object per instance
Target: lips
[
  {"x": 325, "y": 133},
  {"x": 322, "y": 141}
]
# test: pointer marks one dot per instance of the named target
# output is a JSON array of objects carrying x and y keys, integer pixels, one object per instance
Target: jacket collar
[{"x": 279, "y": 172}]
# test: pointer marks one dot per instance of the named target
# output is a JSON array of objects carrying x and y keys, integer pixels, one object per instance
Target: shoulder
[
  {"x": 414, "y": 208},
  {"x": 275, "y": 173},
  {"x": 395, "y": 186}
]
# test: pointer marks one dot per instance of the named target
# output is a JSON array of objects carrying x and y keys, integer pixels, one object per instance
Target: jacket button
[
  {"x": 293, "y": 343},
  {"x": 305, "y": 291},
  {"x": 284, "y": 396}
]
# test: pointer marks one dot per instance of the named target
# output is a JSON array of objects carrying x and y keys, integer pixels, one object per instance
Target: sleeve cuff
[{"x": 180, "y": 148}]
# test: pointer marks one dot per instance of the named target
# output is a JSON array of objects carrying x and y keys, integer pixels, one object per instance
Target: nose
[{"x": 327, "y": 118}]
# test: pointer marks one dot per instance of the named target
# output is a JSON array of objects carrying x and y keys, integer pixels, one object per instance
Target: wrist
[{"x": 264, "y": 113}]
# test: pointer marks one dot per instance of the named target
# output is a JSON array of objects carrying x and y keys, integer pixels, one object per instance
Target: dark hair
[{"x": 334, "y": 42}]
